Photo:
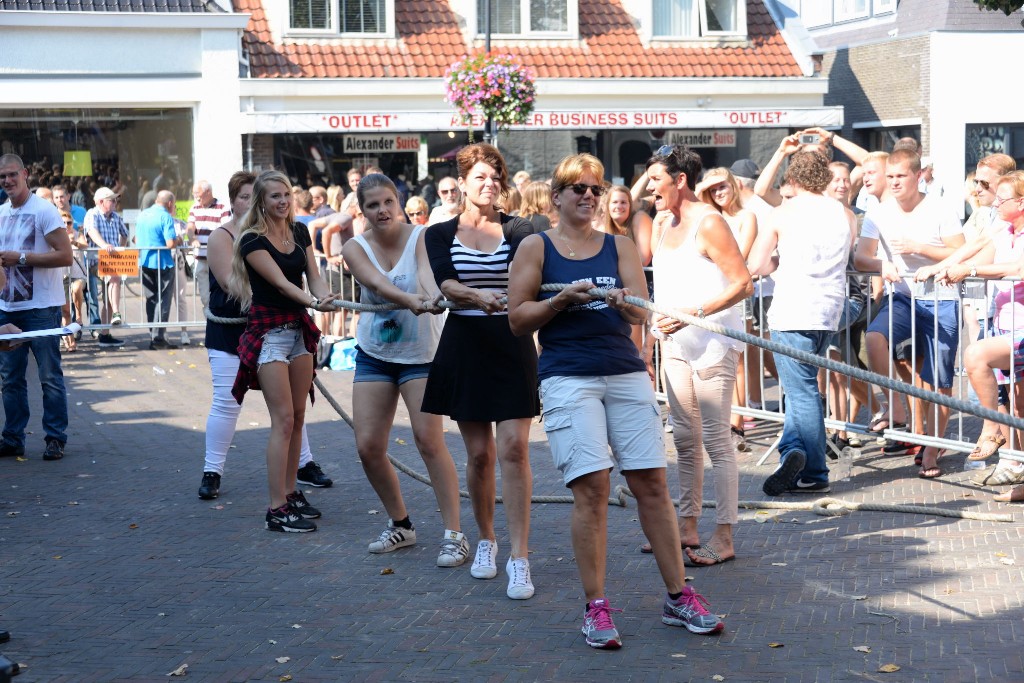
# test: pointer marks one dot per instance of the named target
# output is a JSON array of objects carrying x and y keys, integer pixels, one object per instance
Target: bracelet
[
  {"x": 552, "y": 306},
  {"x": 314, "y": 303}
]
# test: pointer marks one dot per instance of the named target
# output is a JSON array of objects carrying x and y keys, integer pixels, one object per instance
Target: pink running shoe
[
  {"x": 690, "y": 610},
  {"x": 598, "y": 627}
]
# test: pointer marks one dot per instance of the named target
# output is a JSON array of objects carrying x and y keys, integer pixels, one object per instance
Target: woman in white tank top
[
  {"x": 395, "y": 351},
  {"x": 720, "y": 189},
  {"x": 699, "y": 270}
]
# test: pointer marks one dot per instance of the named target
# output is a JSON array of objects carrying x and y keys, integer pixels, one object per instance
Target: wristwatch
[
  {"x": 23, "y": 259},
  {"x": 315, "y": 303},
  {"x": 700, "y": 312}
]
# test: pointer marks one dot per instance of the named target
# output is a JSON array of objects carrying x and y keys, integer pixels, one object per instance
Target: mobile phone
[{"x": 809, "y": 139}]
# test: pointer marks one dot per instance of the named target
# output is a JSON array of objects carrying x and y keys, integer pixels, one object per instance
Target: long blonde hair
[
  {"x": 708, "y": 197},
  {"x": 607, "y": 222},
  {"x": 536, "y": 200},
  {"x": 254, "y": 221}
]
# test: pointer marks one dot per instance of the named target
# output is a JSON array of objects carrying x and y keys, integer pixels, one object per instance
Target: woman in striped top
[{"x": 481, "y": 373}]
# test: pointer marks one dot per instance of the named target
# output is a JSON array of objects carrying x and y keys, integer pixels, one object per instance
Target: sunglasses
[
  {"x": 447, "y": 191},
  {"x": 581, "y": 189},
  {"x": 665, "y": 150},
  {"x": 983, "y": 183},
  {"x": 417, "y": 213}
]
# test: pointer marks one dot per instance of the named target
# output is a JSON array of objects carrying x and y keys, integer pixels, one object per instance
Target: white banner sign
[
  {"x": 425, "y": 121},
  {"x": 367, "y": 144},
  {"x": 702, "y": 138}
]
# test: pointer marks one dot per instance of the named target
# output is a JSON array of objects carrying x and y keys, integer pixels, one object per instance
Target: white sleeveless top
[
  {"x": 683, "y": 278},
  {"x": 397, "y": 336},
  {"x": 810, "y": 282}
]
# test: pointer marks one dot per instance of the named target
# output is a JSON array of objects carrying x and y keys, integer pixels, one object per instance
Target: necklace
[{"x": 572, "y": 252}]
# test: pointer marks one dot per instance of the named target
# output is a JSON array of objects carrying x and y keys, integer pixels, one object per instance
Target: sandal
[
  {"x": 933, "y": 472},
  {"x": 881, "y": 424},
  {"x": 706, "y": 552},
  {"x": 988, "y": 445}
]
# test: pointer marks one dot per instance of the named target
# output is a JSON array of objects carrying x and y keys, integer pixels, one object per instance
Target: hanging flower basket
[{"x": 490, "y": 85}]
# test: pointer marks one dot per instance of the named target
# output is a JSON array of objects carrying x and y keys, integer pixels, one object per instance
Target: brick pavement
[{"x": 113, "y": 569}]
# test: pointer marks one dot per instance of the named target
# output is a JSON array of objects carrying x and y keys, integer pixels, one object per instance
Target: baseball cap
[
  {"x": 745, "y": 168},
  {"x": 103, "y": 193}
]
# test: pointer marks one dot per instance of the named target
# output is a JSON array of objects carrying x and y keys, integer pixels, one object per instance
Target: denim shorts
[
  {"x": 938, "y": 351},
  {"x": 283, "y": 345},
  {"x": 371, "y": 369}
]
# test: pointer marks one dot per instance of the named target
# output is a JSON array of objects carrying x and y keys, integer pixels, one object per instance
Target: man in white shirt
[
  {"x": 813, "y": 235},
  {"x": 907, "y": 231},
  {"x": 451, "y": 201}
]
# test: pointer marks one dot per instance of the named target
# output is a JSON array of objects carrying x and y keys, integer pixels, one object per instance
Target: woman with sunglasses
[
  {"x": 482, "y": 376},
  {"x": 417, "y": 211},
  {"x": 596, "y": 391},
  {"x": 1005, "y": 348}
]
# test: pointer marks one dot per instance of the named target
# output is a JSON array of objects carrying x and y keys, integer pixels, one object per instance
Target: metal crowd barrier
[{"x": 959, "y": 424}]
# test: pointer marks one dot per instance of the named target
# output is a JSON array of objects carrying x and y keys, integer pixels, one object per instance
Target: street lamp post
[{"x": 489, "y": 135}]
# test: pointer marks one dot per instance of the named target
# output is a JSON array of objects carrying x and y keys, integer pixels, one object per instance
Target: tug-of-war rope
[{"x": 829, "y": 507}]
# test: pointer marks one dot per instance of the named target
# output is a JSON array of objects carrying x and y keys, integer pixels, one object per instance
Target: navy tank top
[{"x": 589, "y": 339}]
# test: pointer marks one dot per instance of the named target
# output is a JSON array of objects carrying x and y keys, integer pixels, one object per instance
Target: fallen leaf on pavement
[
  {"x": 776, "y": 645},
  {"x": 862, "y": 648},
  {"x": 718, "y": 677},
  {"x": 180, "y": 671},
  {"x": 286, "y": 677},
  {"x": 133, "y": 526},
  {"x": 400, "y": 441},
  {"x": 386, "y": 571},
  {"x": 1001, "y": 555},
  {"x": 58, "y": 557},
  {"x": 888, "y": 668}
]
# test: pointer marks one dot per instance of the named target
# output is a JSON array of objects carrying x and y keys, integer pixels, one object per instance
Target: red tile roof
[{"x": 429, "y": 40}]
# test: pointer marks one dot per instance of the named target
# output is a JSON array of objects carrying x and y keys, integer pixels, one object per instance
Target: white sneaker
[
  {"x": 520, "y": 587},
  {"x": 454, "y": 549},
  {"x": 392, "y": 538},
  {"x": 484, "y": 564},
  {"x": 185, "y": 341}
]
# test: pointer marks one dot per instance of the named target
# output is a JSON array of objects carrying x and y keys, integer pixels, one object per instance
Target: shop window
[
  {"x": 822, "y": 13},
  {"x": 695, "y": 18},
  {"x": 310, "y": 15},
  {"x": 536, "y": 18}
]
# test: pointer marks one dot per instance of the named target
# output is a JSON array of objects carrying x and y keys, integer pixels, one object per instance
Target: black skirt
[{"x": 482, "y": 372}]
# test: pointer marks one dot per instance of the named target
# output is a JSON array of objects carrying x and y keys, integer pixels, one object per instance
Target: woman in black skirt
[{"x": 482, "y": 374}]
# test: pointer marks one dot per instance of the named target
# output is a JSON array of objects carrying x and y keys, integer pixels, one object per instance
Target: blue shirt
[
  {"x": 78, "y": 215},
  {"x": 590, "y": 339},
  {"x": 155, "y": 228}
]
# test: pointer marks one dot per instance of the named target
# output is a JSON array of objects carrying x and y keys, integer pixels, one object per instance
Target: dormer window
[
  {"x": 529, "y": 18},
  {"x": 356, "y": 18},
  {"x": 697, "y": 18},
  {"x": 822, "y": 13}
]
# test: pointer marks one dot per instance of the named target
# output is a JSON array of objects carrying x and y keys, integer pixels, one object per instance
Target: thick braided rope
[
  {"x": 811, "y": 359},
  {"x": 834, "y": 507},
  {"x": 620, "y": 491}
]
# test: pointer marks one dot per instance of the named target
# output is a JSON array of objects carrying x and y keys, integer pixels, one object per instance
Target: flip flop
[
  {"x": 706, "y": 552},
  {"x": 646, "y": 548},
  {"x": 933, "y": 472},
  {"x": 879, "y": 425},
  {"x": 988, "y": 446}
]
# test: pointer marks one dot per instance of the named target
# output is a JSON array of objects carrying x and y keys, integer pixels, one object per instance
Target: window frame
[
  {"x": 840, "y": 17},
  {"x": 334, "y": 31},
  {"x": 741, "y": 20},
  {"x": 700, "y": 25},
  {"x": 874, "y": 9},
  {"x": 572, "y": 24}
]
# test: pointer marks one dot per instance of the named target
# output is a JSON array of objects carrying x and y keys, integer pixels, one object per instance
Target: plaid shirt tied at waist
[{"x": 261, "y": 320}]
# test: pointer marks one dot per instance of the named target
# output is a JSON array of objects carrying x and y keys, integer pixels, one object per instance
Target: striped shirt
[
  {"x": 207, "y": 219},
  {"x": 481, "y": 270}
]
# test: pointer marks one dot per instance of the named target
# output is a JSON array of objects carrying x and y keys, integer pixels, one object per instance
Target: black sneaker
[
  {"x": 781, "y": 480},
  {"x": 299, "y": 503},
  {"x": 310, "y": 474},
  {"x": 54, "y": 450},
  {"x": 210, "y": 488},
  {"x": 108, "y": 341},
  {"x": 285, "y": 518},
  {"x": 160, "y": 343},
  {"x": 10, "y": 450},
  {"x": 801, "y": 486}
]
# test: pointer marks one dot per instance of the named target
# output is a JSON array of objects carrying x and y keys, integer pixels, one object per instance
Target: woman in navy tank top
[{"x": 596, "y": 391}]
